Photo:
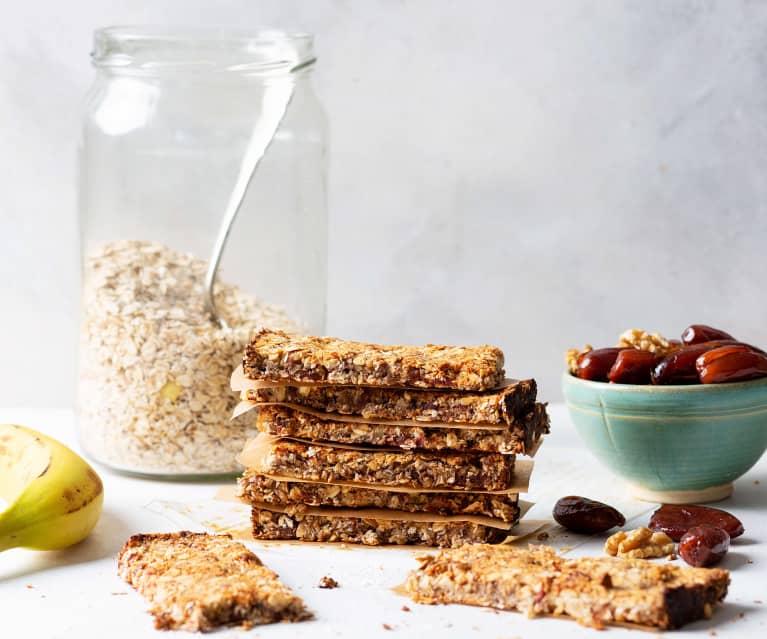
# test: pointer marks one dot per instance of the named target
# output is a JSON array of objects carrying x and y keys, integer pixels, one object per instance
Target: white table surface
[{"x": 76, "y": 593}]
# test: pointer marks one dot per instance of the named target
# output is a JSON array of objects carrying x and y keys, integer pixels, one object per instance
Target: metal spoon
[{"x": 277, "y": 98}]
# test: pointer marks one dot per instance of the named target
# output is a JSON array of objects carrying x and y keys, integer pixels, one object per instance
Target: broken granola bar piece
[
  {"x": 197, "y": 582},
  {"x": 520, "y": 437},
  {"x": 595, "y": 592},
  {"x": 501, "y": 406},
  {"x": 256, "y": 488},
  {"x": 279, "y": 356},
  {"x": 385, "y": 467},
  {"x": 268, "y": 524}
]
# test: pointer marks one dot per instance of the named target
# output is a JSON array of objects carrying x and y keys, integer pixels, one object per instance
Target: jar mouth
[{"x": 155, "y": 50}]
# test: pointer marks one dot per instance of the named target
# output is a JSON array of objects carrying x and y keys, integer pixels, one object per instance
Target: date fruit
[
  {"x": 732, "y": 363},
  {"x": 595, "y": 365},
  {"x": 586, "y": 516},
  {"x": 632, "y": 366},
  {"x": 679, "y": 367},
  {"x": 697, "y": 333},
  {"x": 675, "y": 520},
  {"x": 704, "y": 545}
]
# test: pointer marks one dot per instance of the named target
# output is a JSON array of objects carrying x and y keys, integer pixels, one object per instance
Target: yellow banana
[{"x": 54, "y": 497}]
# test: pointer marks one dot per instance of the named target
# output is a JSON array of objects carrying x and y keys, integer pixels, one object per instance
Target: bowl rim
[{"x": 569, "y": 378}]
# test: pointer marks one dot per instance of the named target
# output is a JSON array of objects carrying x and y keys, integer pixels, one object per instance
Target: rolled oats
[{"x": 153, "y": 392}]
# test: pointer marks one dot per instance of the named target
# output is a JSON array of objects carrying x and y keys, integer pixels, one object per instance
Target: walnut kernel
[
  {"x": 644, "y": 341},
  {"x": 640, "y": 543}
]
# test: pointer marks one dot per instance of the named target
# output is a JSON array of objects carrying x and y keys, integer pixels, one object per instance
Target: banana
[{"x": 54, "y": 497}]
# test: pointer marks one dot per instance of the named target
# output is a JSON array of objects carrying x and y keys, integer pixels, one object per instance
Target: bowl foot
[{"x": 703, "y": 495}]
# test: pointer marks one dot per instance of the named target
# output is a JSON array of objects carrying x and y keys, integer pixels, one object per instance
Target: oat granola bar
[
  {"x": 197, "y": 582},
  {"x": 276, "y": 355},
  {"x": 500, "y": 406},
  {"x": 452, "y": 471},
  {"x": 268, "y": 524},
  {"x": 256, "y": 488},
  {"x": 520, "y": 437},
  {"x": 593, "y": 591}
]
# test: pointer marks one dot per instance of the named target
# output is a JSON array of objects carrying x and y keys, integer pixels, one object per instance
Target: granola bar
[
  {"x": 500, "y": 406},
  {"x": 593, "y": 591},
  {"x": 256, "y": 488},
  {"x": 452, "y": 471},
  {"x": 276, "y": 355},
  {"x": 268, "y": 524},
  {"x": 197, "y": 582},
  {"x": 520, "y": 437}
]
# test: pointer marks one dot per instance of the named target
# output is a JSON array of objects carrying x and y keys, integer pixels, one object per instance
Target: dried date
[
  {"x": 731, "y": 363},
  {"x": 632, "y": 366},
  {"x": 679, "y": 367},
  {"x": 697, "y": 333},
  {"x": 595, "y": 365},
  {"x": 586, "y": 516},
  {"x": 704, "y": 545},
  {"x": 675, "y": 520}
]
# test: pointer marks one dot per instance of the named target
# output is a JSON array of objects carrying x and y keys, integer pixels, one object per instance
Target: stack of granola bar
[{"x": 374, "y": 444}]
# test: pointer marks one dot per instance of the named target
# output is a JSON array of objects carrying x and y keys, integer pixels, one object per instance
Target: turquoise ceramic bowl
[{"x": 673, "y": 444}]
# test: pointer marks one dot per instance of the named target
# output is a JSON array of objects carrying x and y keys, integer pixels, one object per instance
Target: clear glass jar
[{"x": 166, "y": 125}]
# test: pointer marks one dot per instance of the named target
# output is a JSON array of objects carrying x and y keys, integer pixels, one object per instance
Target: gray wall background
[{"x": 532, "y": 174}]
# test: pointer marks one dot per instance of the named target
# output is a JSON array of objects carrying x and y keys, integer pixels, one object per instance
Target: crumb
[
  {"x": 30, "y": 587},
  {"x": 749, "y": 561},
  {"x": 405, "y": 609},
  {"x": 328, "y": 582},
  {"x": 386, "y": 626},
  {"x": 741, "y": 615},
  {"x": 542, "y": 536},
  {"x": 120, "y": 593},
  {"x": 672, "y": 557},
  {"x": 756, "y": 482},
  {"x": 712, "y": 633},
  {"x": 757, "y": 601}
]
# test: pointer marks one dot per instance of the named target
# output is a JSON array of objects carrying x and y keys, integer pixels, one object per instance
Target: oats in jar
[{"x": 153, "y": 394}]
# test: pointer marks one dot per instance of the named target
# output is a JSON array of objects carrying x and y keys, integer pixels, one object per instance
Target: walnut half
[
  {"x": 640, "y": 543},
  {"x": 644, "y": 341}
]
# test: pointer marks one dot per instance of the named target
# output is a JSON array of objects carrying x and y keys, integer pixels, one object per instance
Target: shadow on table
[
  {"x": 106, "y": 540},
  {"x": 726, "y": 613},
  {"x": 750, "y": 492}
]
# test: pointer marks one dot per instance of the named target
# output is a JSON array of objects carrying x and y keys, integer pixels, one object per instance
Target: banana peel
[{"x": 54, "y": 497}]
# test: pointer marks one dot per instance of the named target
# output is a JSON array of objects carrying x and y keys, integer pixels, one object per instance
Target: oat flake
[{"x": 153, "y": 393}]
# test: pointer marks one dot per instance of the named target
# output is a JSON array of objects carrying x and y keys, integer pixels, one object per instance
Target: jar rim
[{"x": 157, "y": 49}]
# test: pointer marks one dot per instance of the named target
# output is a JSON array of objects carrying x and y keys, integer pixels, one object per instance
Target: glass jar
[{"x": 166, "y": 127}]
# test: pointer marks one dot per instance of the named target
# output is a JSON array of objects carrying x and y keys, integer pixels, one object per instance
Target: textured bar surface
[
  {"x": 594, "y": 591},
  {"x": 452, "y": 471},
  {"x": 371, "y": 532},
  {"x": 276, "y": 355},
  {"x": 197, "y": 582},
  {"x": 520, "y": 437},
  {"x": 258, "y": 489},
  {"x": 500, "y": 406}
]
